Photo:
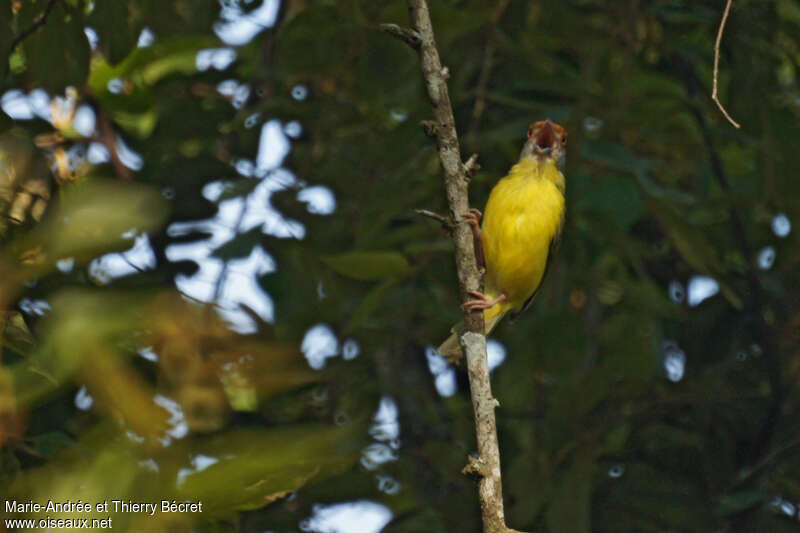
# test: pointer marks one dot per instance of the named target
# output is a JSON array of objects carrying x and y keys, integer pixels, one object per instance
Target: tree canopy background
[{"x": 214, "y": 287}]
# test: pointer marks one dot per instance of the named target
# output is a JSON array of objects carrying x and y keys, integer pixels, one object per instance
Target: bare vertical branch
[
  {"x": 473, "y": 341},
  {"x": 716, "y": 64}
]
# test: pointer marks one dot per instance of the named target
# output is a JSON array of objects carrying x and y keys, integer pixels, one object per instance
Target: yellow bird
[{"x": 521, "y": 226}]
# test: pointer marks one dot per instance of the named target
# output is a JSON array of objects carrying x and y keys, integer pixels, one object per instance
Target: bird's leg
[
  {"x": 481, "y": 301},
  {"x": 473, "y": 219}
]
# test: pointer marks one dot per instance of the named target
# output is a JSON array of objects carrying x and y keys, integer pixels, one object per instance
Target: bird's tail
[{"x": 450, "y": 349}]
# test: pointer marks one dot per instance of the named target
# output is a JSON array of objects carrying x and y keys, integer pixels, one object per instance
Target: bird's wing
[{"x": 554, "y": 242}]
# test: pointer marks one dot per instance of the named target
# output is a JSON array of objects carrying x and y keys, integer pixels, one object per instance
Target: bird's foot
[
  {"x": 473, "y": 217},
  {"x": 482, "y": 301}
]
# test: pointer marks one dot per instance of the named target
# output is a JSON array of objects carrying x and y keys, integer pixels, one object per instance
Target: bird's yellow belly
[{"x": 522, "y": 216}]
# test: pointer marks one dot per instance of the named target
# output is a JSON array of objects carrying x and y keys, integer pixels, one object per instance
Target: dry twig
[
  {"x": 446, "y": 222},
  {"x": 410, "y": 37},
  {"x": 716, "y": 64}
]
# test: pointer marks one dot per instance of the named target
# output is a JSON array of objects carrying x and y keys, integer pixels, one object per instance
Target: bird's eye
[{"x": 564, "y": 140}]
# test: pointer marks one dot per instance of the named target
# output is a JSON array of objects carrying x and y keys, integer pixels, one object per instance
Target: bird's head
[{"x": 546, "y": 139}]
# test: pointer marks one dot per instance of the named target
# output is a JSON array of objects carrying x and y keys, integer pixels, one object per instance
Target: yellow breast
[{"x": 524, "y": 212}]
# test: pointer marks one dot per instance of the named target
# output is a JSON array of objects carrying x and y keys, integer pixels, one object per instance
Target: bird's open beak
[{"x": 545, "y": 138}]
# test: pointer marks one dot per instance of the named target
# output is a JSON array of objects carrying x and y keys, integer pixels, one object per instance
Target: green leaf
[
  {"x": 669, "y": 437},
  {"x": 324, "y": 44},
  {"x": 90, "y": 220},
  {"x": 615, "y": 156},
  {"x": 58, "y": 52},
  {"x": 50, "y": 444},
  {"x": 369, "y": 266},
  {"x": 147, "y": 66},
  {"x": 241, "y": 245},
  {"x": 739, "y": 501},
  {"x": 628, "y": 342},
  {"x": 368, "y": 306},
  {"x": 5, "y": 120},
  {"x": 257, "y": 467},
  {"x": 242, "y": 396},
  {"x": 71, "y": 331},
  {"x": 693, "y": 246},
  {"x": 618, "y": 157},
  {"x": 6, "y": 37},
  {"x": 114, "y": 25},
  {"x": 614, "y": 196},
  {"x": 427, "y": 520},
  {"x": 16, "y": 334},
  {"x": 616, "y": 439},
  {"x": 569, "y": 511}
]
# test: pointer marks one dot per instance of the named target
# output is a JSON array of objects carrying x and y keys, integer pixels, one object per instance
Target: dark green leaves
[
  {"x": 322, "y": 34},
  {"x": 570, "y": 510},
  {"x": 369, "y": 266},
  {"x": 117, "y": 27},
  {"x": 57, "y": 54},
  {"x": 6, "y": 38},
  {"x": 258, "y": 467}
]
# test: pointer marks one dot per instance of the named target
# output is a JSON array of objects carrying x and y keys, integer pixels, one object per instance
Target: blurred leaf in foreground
[
  {"x": 257, "y": 467},
  {"x": 91, "y": 219}
]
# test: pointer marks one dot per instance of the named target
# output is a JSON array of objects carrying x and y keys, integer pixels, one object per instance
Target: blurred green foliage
[{"x": 626, "y": 405}]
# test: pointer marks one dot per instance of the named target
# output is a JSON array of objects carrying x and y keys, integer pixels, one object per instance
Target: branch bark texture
[{"x": 473, "y": 341}]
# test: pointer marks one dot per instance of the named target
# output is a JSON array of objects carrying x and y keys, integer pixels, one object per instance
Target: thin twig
[
  {"x": 132, "y": 264},
  {"x": 765, "y": 461},
  {"x": 435, "y": 216},
  {"x": 471, "y": 166},
  {"x": 107, "y": 136},
  {"x": 408, "y": 36},
  {"x": 473, "y": 340},
  {"x": 716, "y": 64},
  {"x": 33, "y": 27}
]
